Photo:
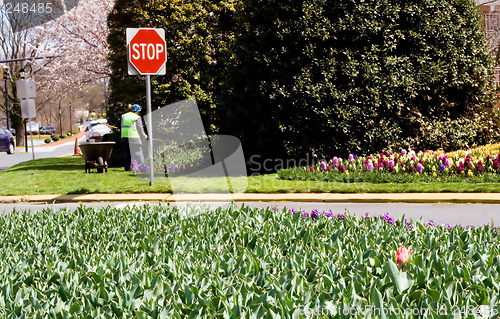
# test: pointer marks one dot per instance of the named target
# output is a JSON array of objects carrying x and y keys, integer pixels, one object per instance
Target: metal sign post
[
  {"x": 150, "y": 129},
  {"x": 26, "y": 92},
  {"x": 147, "y": 54}
]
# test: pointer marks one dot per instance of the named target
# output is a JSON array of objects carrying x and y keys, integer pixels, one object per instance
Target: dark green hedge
[{"x": 297, "y": 77}]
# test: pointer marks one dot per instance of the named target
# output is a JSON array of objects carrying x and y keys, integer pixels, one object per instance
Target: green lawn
[{"x": 67, "y": 176}]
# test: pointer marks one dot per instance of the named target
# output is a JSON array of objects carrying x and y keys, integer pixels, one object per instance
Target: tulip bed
[
  {"x": 161, "y": 262},
  {"x": 479, "y": 165}
]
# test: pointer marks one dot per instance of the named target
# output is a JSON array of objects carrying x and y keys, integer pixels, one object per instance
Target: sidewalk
[
  {"x": 41, "y": 143},
  {"x": 66, "y": 140},
  {"x": 476, "y": 198}
]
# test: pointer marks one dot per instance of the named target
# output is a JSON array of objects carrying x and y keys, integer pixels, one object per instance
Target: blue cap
[{"x": 136, "y": 108}]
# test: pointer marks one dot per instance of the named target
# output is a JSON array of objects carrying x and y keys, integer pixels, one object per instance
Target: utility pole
[
  {"x": 70, "y": 121},
  {"x": 5, "y": 76},
  {"x": 60, "y": 118}
]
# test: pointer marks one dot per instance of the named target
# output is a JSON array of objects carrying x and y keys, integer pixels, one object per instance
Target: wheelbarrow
[{"x": 96, "y": 155}]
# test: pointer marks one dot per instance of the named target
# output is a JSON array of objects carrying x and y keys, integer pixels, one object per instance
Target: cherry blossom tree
[{"x": 78, "y": 40}]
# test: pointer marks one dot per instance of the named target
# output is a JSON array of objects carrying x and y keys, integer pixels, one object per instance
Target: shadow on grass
[{"x": 82, "y": 190}]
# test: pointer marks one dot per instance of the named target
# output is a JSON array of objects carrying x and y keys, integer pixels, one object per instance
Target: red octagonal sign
[{"x": 147, "y": 51}]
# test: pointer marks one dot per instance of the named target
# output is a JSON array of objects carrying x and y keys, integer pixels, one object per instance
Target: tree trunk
[{"x": 19, "y": 134}]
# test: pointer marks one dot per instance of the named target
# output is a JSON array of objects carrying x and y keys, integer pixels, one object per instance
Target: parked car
[
  {"x": 48, "y": 128},
  {"x": 13, "y": 131},
  {"x": 96, "y": 131},
  {"x": 7, "y": 142}
]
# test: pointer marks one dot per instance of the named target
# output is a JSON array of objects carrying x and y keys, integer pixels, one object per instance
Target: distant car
[
  {"x": 91, "y": 125},
  {"x": 48, "y": 128},
  {"x": 13, "y": 131},
  {"x": 97, "y": 131},
  {"x": 7, "y": 142}
]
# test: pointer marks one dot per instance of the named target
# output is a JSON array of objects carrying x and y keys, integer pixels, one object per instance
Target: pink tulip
[{"x": 403, "y": 255}]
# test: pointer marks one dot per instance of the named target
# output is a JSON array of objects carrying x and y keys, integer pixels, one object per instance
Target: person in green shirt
[{"x": 132, "y": 133}]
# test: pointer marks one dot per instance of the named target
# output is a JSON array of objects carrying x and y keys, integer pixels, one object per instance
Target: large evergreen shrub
[
  {"x": 319, "y": 77},
  {"x": 339, "y": 77}
]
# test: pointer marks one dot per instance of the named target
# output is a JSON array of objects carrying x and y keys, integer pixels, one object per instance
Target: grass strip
[{"x": 67, "y": 175}]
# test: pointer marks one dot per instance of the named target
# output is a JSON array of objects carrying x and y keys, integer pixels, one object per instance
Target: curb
[{"x": 429, "y": 198}]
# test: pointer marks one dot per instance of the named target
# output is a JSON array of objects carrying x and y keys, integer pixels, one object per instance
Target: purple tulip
[
  {"x": 408, "y": 224},
  {"x": 323, "y": 166},
  {"x": 479, "y": 166},
  {"x": 388, "y": 219},
  {"x": 420, "y": 167},
  {"x": 315, "y": 214},
  {"x": 329, "y": 214},
  {"x": 442, "y": 168},
  {"x": 441, "y": 157},
  {"x": 335, "y": 161},
  {"x": 447, "y": 162},
  {"x": 390, "y": 165}
]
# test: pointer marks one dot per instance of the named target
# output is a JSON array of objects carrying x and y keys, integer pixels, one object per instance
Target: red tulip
[{"x": 403, "y": 255}]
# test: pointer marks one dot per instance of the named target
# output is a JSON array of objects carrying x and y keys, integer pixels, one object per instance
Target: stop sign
[{"x": 147, "y": 50}]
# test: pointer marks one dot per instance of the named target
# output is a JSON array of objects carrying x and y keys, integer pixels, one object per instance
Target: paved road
[
  {"x": 7, "y": 161},
  {"x": 465, "y": 214}
]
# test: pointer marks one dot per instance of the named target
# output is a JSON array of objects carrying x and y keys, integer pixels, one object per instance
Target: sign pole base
[{"x": 31, "y": 135}]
